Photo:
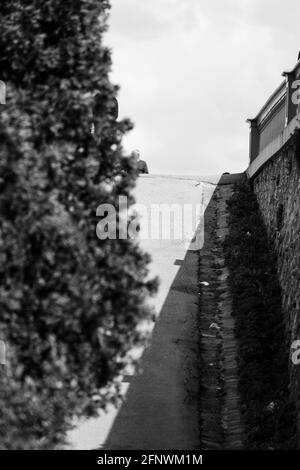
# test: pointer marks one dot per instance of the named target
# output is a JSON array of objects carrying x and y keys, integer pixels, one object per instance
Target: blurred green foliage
[{"x": 70, "y": 304}]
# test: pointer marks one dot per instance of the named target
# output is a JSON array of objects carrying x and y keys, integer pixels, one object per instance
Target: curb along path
[{"x": 221, "y": 423}]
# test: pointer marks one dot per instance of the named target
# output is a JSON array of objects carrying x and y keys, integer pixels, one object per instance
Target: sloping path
[
  {"x": 180, "y": 386},
  {"x": 160, "y": 410}
]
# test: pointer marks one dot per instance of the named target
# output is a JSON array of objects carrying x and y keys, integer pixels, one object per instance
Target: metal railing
[{"x": 276, "y": 121}]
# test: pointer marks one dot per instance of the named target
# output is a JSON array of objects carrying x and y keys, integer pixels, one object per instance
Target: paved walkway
[
  {"x": 180, "y": 386},
  {"x": 160, "y": 410}
]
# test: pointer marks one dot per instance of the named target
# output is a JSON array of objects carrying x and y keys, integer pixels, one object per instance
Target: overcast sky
[{"x": 192, "y": 71}]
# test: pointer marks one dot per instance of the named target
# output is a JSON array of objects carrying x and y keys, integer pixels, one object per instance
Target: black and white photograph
[{"x": 149, "y": 232}]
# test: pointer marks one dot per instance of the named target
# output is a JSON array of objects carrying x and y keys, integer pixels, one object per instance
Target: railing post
[{"x": 254, "y": 139}]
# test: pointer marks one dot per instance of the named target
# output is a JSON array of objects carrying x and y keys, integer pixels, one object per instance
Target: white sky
[{"x": 192, "y": 71}]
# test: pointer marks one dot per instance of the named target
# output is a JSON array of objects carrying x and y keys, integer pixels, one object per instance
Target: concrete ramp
[{"x": 160, "y": 408}]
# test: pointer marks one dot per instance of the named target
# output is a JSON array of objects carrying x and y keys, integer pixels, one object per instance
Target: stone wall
[{"x": 277, "y": 187}]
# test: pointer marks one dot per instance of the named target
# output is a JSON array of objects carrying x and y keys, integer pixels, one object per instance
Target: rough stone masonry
[{"x": 277, "y": 187}]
